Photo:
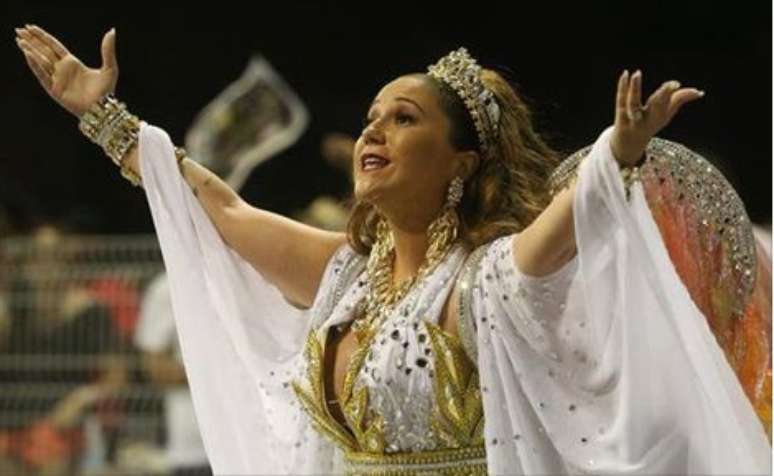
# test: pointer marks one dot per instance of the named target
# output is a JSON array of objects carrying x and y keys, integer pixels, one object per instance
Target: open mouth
[{"x": 373, "y": 162}]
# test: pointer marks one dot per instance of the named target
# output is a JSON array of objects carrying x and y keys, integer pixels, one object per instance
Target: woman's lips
[{"x": 373, "y": 162}]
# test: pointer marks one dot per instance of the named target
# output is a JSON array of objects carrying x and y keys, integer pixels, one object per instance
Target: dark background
[{"x": 565, "y": 58}]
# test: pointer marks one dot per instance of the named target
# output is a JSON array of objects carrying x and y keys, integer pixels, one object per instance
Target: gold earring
[
  {"x": 443, "y": 231},
  {"x": 454, "y": 195}
]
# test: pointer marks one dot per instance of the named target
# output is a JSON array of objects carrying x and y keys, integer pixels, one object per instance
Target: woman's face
[{"x": 403, "y": 160}]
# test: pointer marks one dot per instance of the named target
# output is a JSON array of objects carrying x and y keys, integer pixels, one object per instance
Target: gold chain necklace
[{"x": 383, "y": 295}]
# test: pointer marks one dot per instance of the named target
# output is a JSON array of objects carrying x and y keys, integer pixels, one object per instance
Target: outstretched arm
[
  {"x": 549, "y": 242},
  {"x": 292, "y": 256}
]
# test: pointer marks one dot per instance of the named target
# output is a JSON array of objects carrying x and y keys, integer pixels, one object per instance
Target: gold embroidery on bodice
[{"x": 457, "y": 419}]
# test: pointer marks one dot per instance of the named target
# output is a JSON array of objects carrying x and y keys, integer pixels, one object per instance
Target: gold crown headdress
[{"x": 461, "y": 72}]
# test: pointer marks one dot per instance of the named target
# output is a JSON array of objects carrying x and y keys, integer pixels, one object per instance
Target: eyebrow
[{"x": 404, "y": 99}]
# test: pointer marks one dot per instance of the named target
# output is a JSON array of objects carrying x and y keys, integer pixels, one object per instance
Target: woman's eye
[
  {"x": 404, "y": 119},
  {"x": 399, "y": 118}
]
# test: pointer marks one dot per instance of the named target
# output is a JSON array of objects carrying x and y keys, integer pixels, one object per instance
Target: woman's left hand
[{"x": 636, "y": 124}]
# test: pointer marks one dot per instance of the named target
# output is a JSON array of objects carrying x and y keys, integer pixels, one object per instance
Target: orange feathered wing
[{"x": 708, "y": 239}]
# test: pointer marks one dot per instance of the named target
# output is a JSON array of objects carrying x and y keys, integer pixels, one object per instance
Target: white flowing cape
[{"x": 641, "y": 387}]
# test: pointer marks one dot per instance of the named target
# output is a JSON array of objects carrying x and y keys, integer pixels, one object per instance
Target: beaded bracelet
[{"x": 110, "y": 125}]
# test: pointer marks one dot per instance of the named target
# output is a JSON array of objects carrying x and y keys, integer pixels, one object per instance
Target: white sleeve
[
  {"x": 534, "y": 305},
  {"x": 239, "y": 338},
  {"x": 607, "y": 366}
]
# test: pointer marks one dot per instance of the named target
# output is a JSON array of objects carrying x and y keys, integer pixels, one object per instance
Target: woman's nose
[{"x": 373, "y": 134}]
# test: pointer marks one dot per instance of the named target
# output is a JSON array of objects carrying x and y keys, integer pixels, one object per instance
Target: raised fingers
[
  {"x": 34, "y": 44},
  {"x": 28, "y": 42},
  {"x": 28, "y": 35},
  {"x": 659, "y": 100},
  {"x": 681, "y": 97},
  {"x": 634, "y": 96},
  {"x": 620, "y": 97},
  {"x": 42, "y": 61},
  {"x": 52, "y": 43},
  {"x": 43, "y": 77}
]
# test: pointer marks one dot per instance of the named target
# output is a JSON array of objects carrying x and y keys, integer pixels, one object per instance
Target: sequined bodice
[{"x": 409, "y": 387}]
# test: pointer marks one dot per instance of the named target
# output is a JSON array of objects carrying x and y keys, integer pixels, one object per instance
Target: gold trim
[
  {"x": 458, "y": 419},
  {"x": 458, "y": 461},
  {"x": 369, "y": 434},
  {"x": 466, "y": 325},
  {"x": 314, "y": 401}
]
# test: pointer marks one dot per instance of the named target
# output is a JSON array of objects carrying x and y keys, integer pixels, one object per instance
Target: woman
[{"x": 465, "y": 323}]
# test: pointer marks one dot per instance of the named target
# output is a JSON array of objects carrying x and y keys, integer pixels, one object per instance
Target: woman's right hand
[{"x": 63, "y": 76}]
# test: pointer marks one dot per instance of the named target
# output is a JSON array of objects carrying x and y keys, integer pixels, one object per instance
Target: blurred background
[
  {"x": 565, "y": 57},
  {"x": 87, "y": 384}
]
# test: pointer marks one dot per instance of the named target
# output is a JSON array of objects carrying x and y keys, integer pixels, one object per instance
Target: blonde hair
[{"x": 510, "y": 187}]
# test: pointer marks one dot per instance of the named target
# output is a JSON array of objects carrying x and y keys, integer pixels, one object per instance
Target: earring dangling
[
  {"x": 454, "y": 195},
  {"x": 443, "y": 230}
]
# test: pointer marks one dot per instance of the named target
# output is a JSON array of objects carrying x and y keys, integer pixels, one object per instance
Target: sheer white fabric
[
  {"x": 624, "y": 377},
  {"x": 239, "y": 338},
  {"x": 606, "y": 366}
]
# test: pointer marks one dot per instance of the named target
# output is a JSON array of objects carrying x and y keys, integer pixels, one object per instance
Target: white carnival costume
[{"x": 607, "y": 366}]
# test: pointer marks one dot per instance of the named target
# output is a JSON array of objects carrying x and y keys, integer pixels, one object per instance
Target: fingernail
[
  {"x": 701, "y": 93},
  {"x": 675, "y": 84},
  {"x": 638, "y": 73}
]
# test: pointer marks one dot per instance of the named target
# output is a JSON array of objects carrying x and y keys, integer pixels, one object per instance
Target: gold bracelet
[
  {"x": 129, "y": 175},
  {"x": 109, "y": 124}
]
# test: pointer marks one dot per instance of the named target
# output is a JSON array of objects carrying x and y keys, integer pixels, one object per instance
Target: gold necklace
[{"x": 383, "y": 295}]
